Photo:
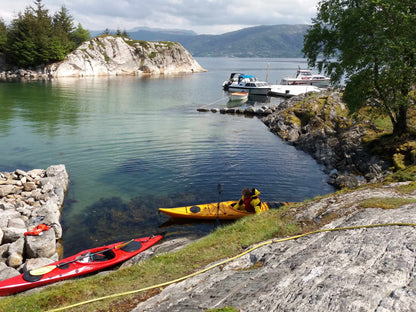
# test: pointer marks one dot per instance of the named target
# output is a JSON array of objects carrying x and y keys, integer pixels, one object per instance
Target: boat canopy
[{"x": 247, "y": 76}]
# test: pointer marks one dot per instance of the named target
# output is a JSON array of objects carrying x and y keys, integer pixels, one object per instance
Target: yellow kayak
[{"x": 209, "y": 211}]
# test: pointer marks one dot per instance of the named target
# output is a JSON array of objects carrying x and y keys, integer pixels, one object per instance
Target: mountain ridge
[{"x": 259, "y": 41}]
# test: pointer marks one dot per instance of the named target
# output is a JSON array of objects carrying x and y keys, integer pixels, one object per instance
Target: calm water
[{"x": 132, "y": 145}]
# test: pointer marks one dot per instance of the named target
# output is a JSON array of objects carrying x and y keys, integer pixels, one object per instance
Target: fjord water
[{"x": 131, "y": 145}]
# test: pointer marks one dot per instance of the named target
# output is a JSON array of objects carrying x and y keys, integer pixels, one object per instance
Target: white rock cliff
[{"x": 112, "y": 55}]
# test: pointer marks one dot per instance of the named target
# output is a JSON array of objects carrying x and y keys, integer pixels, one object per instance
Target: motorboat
[
  {"x": 234, "y": 78},
  {"x": 238, "y": 96},
  {"x": 246, "y": 83},
  {"x": 306, "y": 77}
]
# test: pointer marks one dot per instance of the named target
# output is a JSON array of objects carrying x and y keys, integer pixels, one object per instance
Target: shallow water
[{"x": 133, "y": 144}]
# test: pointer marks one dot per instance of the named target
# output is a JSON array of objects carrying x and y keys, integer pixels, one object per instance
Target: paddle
[
  {"x": 219, "y": 188},
  {"x": 49, "y": 268}
]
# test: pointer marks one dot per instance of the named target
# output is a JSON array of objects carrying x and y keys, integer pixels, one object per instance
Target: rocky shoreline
[
  {"x": 318, "y": 123},
  {"x": 28, "y": 199}
]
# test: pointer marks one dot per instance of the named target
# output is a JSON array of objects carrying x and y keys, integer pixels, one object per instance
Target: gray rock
[
  {"x": 16, "y": 223},
  {"x": 7, "y": 272},
  {"x": 35, "y": 263},
  {"x": 17, "y": 246},
  {"x": 29, "y": 186},
  {"x": 6, "y": 215},
  {"x": 14, "y": 260},
  {"x": 6, "y": 190},
  {"x": 20, "y": 172},
  {"x": 36, "y": 173},
  {"x": 12, "y": 234},
  {"x": 42, "y": 246},
  {"x": 349, "y": 270}
]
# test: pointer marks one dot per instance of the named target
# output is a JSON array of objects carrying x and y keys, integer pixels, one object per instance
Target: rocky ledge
[
  {"x": 28, "y": 199},
  {"x": 114, "y": 55},
  {"x": 318, "y": 123},
  {"x": 368, "y": 269}
]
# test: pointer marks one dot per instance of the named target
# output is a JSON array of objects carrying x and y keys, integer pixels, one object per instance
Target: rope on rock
[
  {"x": 209, "y": 104},
  {"x": 229, "y": 260}
]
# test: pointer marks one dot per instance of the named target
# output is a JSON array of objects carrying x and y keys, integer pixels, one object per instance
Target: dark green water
[{"x": 132, "y": 145}]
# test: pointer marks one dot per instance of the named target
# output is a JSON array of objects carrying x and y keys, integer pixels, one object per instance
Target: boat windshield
[{"x": 304, "y": 73}]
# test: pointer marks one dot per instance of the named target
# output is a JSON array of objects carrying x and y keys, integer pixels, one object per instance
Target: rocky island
[{"x": 114, "y": 55}]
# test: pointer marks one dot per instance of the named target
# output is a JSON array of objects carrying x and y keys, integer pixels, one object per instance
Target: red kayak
[{"x": 84, "y": 262}]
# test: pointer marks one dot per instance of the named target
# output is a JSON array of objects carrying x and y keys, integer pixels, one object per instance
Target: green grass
[
  {"x": 385, "y": 203},
  {"x": 223, "y": 243}
]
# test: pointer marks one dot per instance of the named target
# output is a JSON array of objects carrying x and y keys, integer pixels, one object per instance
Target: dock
[{"x": 292, "y": 90}]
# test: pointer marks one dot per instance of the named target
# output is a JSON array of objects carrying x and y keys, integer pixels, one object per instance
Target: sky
[{"x": 200, "y": 16}]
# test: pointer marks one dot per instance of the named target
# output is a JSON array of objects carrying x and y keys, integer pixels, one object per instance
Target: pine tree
[
  {"x": 79, "y": 35},
  {"x": 3, "y": 35}
]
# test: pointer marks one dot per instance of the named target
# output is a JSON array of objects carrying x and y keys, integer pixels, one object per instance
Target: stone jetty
[
  {"x": 247, "y": 111},
  {"x": 27, "y": 199}
]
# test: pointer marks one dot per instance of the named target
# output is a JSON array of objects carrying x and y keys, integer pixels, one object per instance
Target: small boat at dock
[
  {"x": 306, "y": 77},
  {"x": 238, "y": 96},
  {"x": 239, "y": 82}
]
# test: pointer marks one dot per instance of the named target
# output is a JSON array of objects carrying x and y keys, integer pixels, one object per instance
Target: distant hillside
[{"x": 259, "y": 41}]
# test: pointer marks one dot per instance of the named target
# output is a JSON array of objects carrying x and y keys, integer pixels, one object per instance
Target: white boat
[
  {"x": 238, "y": 96},
  {"x": 246, "y": 83},
  {"x": 305, "y": 77},
  {"x": 292, "y": 90}
]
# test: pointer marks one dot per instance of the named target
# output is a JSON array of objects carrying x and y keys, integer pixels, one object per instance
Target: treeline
[{"x": 35, "y": 37}]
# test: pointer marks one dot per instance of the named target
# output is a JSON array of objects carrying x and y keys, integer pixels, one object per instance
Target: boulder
[
  {"x": 17, "y": 246},
  {"x": 41, "y": 246},
  {"x": 6, "y": 190},
  {"x": 12, "y": 234},
  {"x": 29, "y": 186},
  {"x": 14, "y": 260},
  {"x": 35, "y": 263},
  {"x": 16, "y": 223},
  {"x": 7, "y": 272}
]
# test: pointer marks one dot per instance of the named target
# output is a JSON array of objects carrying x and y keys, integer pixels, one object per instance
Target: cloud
[{"x": 209, "y": 16}]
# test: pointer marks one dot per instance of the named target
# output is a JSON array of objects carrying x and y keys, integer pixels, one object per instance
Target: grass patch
[
  {"x": 225, "y": 242},
  {"x": 407, "y": 174},
  {"x": 385, "y": 203},
  {"x": 407, "y": 188}
]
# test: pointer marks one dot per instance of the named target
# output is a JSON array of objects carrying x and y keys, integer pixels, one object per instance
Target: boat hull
[
  {"x": 250, "y": 90},
  {"x": 75, "y": 268},
  {"x": 238, "y": 96},
  {"x": 209, "y": 211}
]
